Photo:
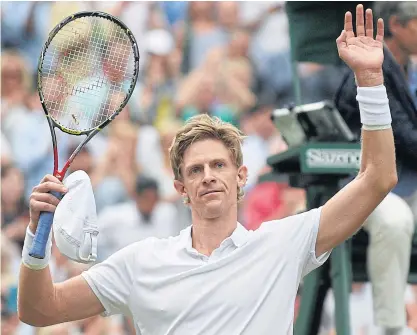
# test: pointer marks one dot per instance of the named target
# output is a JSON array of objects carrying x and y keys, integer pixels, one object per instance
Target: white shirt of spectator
[
  {"x": 122, "y": 224},
  {"x": 247, "y": 286}
]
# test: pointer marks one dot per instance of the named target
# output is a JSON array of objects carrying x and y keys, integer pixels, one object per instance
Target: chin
[{"x": 213, "y": 209}]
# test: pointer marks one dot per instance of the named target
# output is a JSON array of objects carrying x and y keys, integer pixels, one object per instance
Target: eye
[
  {"x": 195, "y": 170},
  {"x": 219, "y": 165}
]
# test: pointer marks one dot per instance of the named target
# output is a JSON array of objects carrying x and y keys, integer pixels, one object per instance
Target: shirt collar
[{"x": 239, "y": 236}]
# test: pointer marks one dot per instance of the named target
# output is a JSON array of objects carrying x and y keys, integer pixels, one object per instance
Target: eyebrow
[{"x": 214, "y": 160}]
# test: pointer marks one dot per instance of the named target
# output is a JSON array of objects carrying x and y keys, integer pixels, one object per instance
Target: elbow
[
  {"x": 28, "y": 319},
  {"x": 381, "y": 183},
  {"x": 394, "y": 181},
  {"x": 387, "y": 183},
  {"x": 33, "y": 318}
]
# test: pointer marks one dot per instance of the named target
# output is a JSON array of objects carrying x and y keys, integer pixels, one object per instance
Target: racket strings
[{"x": 87, "y": 72}]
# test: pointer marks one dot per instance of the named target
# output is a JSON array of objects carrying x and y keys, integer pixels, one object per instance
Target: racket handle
[{"x": 42, "y": 232}]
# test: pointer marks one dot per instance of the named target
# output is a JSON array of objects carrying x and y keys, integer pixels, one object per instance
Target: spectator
[
  {"x": 165, "y": 178},
  {"x": 201, "y": 33},
  {"x": 10, "y": 262},
  {"x": 160, "y": 78},
  {"x": 24, "y": 27},
  {"x": 113, "y": 177},
  {"x": 269, "y": 201},
  {"x": 145, "y": 216},
  {"x": 15, "y": 216},
  {"x": 263, "y": 140},
  {"x": 16, "y": 80},
  {"x": 29, "y": 119}
]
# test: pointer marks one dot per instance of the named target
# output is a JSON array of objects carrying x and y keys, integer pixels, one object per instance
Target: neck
[
  {"x": 401, "y": 56},
  {"x": 208, "y": 234}
]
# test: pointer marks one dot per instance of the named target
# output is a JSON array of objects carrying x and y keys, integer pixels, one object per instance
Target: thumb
[{"x": 341, "y": 40}]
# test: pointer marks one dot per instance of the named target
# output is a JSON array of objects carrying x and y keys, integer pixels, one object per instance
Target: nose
[{"x": 208, "y": 176}]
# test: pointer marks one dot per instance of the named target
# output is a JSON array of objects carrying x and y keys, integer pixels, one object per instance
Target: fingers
[
  {"x": 360, "y": 24},
  {"x": 39, "y": 206},
  {"x": 341, "y": 40},
  {"x": 49, "y": 186},
  {"x": 349, "y": 25},
  {"x": 380, "y": 31},
  {"x": 369, "y": 24},
  {"x": 52, "y": 178},
  {"x": 45, "y": 197},
  {"x": 364, "y": 24},
  {"x": 41, "y": 200},
  {"x": 50, "y": 183}
]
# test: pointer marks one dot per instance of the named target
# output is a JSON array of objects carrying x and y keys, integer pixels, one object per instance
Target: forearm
[
  {"x": 378, "y": 158},
  {"x": 240, "y": 95},
  {"x": 36, "y": 299},
  {"x": 188, "y": 89}
]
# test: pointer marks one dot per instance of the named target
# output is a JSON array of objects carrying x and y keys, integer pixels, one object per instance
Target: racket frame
[
  {"x": 90, "y": 133},
  {"x": 38, "y": 248}
]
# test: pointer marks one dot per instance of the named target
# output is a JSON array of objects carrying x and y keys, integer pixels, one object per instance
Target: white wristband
[
  {"x": 32, "y": 262},
  {"x": 374, "y": 107}
]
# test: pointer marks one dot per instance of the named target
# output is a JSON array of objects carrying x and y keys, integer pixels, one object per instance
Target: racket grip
[{"x": 42, "y": 232}]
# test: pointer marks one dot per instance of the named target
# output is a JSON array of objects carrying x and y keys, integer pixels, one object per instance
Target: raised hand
[
  {"x": 42, "y": 201},
  {"x": 362, "y": 52}
]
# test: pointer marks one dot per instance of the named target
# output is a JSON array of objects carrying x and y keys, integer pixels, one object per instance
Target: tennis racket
[{"x": 87, "y": 71}]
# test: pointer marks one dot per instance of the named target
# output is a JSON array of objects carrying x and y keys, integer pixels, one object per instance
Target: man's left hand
[{"x": 362, "y": 52}]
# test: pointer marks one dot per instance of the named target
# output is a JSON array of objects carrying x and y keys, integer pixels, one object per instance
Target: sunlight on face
[{"x": 210, "y": 179}]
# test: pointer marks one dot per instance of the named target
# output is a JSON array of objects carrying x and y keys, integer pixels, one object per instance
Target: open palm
[{"x": 361, "y": 52}]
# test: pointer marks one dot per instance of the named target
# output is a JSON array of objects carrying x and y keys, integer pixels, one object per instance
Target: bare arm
[
  {"x": 43, "y": 303},
  {"x": 345, "y": 213},
  {"x": 40, "y": 301}
]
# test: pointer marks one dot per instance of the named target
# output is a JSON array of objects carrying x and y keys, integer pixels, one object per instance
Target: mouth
[{"x": 209, "y": 192}]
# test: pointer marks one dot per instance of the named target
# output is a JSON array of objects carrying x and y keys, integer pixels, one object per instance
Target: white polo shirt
[{"x": 247, "y": 286}]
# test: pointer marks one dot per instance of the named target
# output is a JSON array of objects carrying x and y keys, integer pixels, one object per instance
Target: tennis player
[{"x": 216, "y": 277}]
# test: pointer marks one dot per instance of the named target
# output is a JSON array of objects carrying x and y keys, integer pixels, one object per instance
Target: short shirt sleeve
[
  {"x": 309, "y": 231},
  {"x": 111, "y": 281},
  {"x": 298, "y": 235}
]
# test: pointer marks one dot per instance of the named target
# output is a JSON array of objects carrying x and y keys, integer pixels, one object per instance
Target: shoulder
[{"x": 292, "y": 224}]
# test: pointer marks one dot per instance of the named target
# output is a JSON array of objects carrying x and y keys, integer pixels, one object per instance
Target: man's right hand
[{"x": 42, "y": 201}]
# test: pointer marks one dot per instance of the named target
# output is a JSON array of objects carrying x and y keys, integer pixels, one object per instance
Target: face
[
  {"x": 201, "y": 9},
  {"x": 262, "y": 123},
  {"x": 206, "y": 94},
  {"x": 239, "y": 44},
  {"x": 12, "y": 186},
  {"x": 228, "y": 13},
  {"x": 210, "y": 179},
  {"x": 146, "y": 201},
  {"x": 12, "y": 72},
  {"x": 406, "y": 35}
]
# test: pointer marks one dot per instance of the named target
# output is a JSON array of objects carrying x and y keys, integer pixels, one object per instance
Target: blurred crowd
[{"x": 229, "y": 59}]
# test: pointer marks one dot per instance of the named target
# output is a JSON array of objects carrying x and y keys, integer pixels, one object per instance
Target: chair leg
[
  {"x": 341, "y": 278},
  {"x": 314, "y": 291}
]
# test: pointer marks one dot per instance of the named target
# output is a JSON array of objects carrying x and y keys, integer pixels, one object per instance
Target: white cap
[
  {"x": 158, "y": 42},
  {"x": 75, "y": 220}
]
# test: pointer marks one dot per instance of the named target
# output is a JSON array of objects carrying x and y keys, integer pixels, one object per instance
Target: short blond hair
[{"x": 202, "y": 127}]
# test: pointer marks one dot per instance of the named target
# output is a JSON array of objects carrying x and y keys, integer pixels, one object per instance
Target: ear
[
  {"x": 393, "y": 25},
  {"x": 179, "y": 186},
  {"x": 242, "y": 176}
]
